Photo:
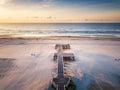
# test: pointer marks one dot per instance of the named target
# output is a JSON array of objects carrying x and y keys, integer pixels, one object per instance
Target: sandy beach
[{"x": 27, "y": 63}]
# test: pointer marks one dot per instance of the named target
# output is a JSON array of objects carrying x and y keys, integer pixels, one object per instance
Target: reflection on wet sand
[{"x": 30, "y": 63}]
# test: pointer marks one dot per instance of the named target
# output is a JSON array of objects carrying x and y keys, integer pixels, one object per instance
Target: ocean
[{"x": 61, "y": 29}]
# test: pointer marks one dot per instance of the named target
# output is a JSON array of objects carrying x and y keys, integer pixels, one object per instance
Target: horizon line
[{"x": 55, "y": 22}]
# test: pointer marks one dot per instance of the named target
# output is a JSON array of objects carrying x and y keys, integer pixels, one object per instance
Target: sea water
[{"x": 61, "y": 29}]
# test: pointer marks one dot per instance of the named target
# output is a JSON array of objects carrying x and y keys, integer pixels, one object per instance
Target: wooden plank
[{"x": 60, "y": 81}]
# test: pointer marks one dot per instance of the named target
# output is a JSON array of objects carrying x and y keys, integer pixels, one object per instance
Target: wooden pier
[
  {"x": 66, "y": 56},
  {"x": 61, "y": 82}
]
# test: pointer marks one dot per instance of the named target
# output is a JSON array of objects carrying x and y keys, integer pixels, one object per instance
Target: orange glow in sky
[{"x": 12, "y": 11}]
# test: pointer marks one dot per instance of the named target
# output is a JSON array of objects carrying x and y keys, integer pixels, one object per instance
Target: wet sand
[{"x": 28, "y": 63}]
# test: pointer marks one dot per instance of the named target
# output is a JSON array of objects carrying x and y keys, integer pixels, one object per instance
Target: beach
[
  {"x": 27, "y": 63},
  {"x": 59, "y": 44}
]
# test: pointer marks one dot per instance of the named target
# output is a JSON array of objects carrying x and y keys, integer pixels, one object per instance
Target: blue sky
[
  {"x": 91, "y": 2},
  {"x": 68, "y": 2},
  {"x": 96, "y": 4},
  {"x": 112, "y": 4}
]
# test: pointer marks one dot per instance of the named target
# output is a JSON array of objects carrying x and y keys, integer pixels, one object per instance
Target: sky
[{"x": 50, "y": 11}]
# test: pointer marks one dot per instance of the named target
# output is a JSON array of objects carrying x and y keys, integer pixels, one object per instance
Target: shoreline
[{"x": 99, "y": 37}]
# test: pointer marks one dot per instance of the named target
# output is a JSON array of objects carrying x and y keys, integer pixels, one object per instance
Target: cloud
[
  {"x": 49, "y": 17},
  {"x": 35, "y": 17},
  {"x": 17, "y": 3},
  {"x": 27, "y": 1},
  {"x": 3, "y": 2}
]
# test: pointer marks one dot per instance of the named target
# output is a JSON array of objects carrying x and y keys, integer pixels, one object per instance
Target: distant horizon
[{"x": 52, "y": 22}]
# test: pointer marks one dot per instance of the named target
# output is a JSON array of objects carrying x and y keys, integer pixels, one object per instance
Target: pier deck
[{"x": 61, "y": 82}]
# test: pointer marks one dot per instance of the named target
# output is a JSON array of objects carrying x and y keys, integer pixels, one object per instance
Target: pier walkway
[{"x": 61, "y": 82}]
